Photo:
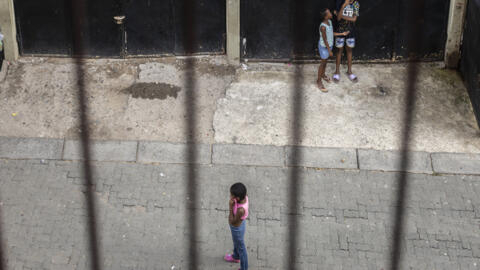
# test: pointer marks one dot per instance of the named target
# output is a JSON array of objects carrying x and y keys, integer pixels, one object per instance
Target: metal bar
[
  {"x": 415, "y": 19},
  {"x": 78, "y": 11},
  {"x": 3, "y": 259},
  {"x": 191, "y": 219},
  {"x": 295, "y": 180}
]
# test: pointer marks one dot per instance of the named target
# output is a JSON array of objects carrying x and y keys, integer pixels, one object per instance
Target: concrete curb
[
  {"x": 456, "y": 163},
  {"x": 30, "y": 148},
  {"x": 103, "y": 150},
  {"x": 326, "y": 158},
  {"x": 243, "y": 155},
  {"x": 164, "y": 152},
  {"x": 420, "y": 162},
  {"x": 240, "y": 154}
]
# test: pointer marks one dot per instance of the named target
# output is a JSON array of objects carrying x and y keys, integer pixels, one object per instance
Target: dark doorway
[
  {"x": 44, "y": 27},
  {"x": 119, "y": 28},
  {"x": 103, "y": 36},
  {"x": 470, "y": 62},
  {"x": 150, "y": 27},
  {"x": 381, "y": 29}
]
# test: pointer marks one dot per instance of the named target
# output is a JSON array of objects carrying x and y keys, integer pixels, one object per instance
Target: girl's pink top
[{"x": 242, "y": 205}]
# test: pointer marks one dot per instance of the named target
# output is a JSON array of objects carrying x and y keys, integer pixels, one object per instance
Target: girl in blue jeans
[{"x": 238, "y": 205}]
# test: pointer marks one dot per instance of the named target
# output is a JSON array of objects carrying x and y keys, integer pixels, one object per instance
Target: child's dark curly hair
[
  {"x": 323, "y": 14},
  {"x": 238, "y": 190}
]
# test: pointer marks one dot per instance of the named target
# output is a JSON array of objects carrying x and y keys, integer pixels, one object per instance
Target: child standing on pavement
[
  {"x": 325, "y": 44},
  {"x": 238, "y": 205},
  {"x": 348, "y": 12}
]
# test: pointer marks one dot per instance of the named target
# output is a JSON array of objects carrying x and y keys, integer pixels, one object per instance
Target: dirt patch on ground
[{"x": 152, "y": 90}]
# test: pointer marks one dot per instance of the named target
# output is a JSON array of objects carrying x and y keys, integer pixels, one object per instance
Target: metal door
[
  {"x": 44, "y": 27},
  {"x": 266, "y": 29},
  {"x": 104, "y": 36},
  {"x": 209, "y": 24},
  {"x": 116, "y": 28},
  {"x": 470, "y": 62},
  {"x": 149, "y": 27}
]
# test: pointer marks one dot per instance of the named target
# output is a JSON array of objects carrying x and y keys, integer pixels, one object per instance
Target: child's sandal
[
  {"x": 336, "y": 78},
  {"x": 229, "y": 258},
  {"x": 352, "y": 77}
]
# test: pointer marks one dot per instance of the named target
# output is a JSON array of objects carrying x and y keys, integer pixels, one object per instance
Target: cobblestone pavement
[{"x": 345, "y": 220}]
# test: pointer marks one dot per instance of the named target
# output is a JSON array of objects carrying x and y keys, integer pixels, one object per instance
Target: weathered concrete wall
[
  {"x": 7, "y": 25},
  {"x": 456, "y": 21},
  {"x": 233, "y": 30}
]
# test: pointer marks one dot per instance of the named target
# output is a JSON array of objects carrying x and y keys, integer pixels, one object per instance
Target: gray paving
[
  {"x": 330, "y": 158},
  {"x": 241, "y": 154},
  {"x": 370, "y": 159},
  {"x": 103, "y": 150},
  {"x": 456, "y": 163},
  {"x": 238, "y": 154},
  {"x": 161, "y": 152},
  {"x": 30, "y": 148},
  {"x": 345, "y": 218}
]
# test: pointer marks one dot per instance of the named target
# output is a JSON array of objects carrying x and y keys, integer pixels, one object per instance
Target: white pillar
[
  {"x": 456, "y": 21},
  {"x": 7, "y": 25},
  {"x": 233, "y": 30}
]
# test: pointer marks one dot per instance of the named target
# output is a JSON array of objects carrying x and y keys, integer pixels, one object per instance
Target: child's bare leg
[
  {"x": 349, "y": 59},
  {"x": 324, "y": 69},
  {"x": 321, "y": 75},
  {"x": 339, "y": 59}
]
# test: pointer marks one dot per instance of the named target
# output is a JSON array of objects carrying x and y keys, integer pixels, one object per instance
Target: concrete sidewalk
[
  {"x": 144, "y": 99},
  {"x": 345, "y": 211}
]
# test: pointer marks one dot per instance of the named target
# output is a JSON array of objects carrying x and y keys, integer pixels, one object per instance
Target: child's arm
[
  {"x": 341, "y": 34},
  {"x": 231, "y": 202},
  {"x": 236, "y": 219},
  {"x": 323, "y": 30},
  {"x": 340, "y": 12}
]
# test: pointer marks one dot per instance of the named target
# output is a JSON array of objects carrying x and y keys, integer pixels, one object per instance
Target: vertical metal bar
[
  {"x": 189, "y": 40},
  {"x": 78, "y": 11},
  {"x": 295, "y": 181},
  {"x": 415, "y": 22},
  {"x": 3, "y": 262}
]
